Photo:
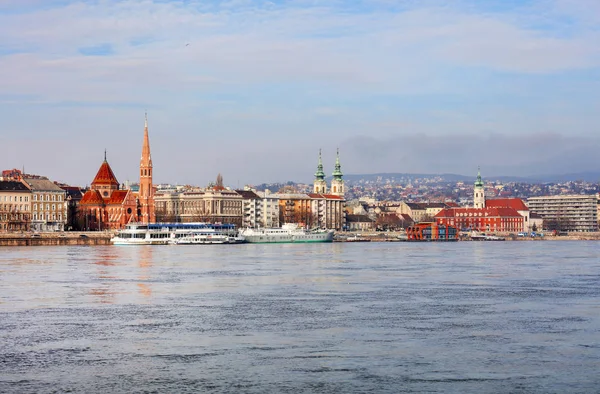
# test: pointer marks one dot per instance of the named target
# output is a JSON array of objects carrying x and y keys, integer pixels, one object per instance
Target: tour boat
[
  {"x": 288, "y": 233},
  {"x": 167, "y": 233},
  {"x": 207, "y": 237}
]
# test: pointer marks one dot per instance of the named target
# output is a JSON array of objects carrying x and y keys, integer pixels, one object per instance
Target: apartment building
[
  {"x": 567, "y": 212},
  {"x": 15, "y": 206},
  {"x": 48, "y": 205}
]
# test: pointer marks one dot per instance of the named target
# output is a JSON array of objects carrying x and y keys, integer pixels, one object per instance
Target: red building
[
  {"x": 105, "y": 206},
  {"x": 482, "y": 219}
]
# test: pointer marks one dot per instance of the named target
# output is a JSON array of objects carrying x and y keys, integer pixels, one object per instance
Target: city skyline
[{"x": 253, "y": 90}]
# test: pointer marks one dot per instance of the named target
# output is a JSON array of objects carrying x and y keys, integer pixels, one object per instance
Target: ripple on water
[{"x": 330, "y": 318}]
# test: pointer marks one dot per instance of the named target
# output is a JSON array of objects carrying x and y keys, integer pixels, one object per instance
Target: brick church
[{"x": 108, "y": 207}]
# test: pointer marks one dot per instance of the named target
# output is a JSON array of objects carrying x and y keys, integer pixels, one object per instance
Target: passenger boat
[
  {"x": 167, "y": 233},
  {"x": 207, "y": 237},
  {"x": 288, "y": 233}
]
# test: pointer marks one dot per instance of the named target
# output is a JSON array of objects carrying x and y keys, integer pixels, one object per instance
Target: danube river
[{"x": 519, "y": 317}]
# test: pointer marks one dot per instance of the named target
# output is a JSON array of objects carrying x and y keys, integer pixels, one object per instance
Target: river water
[{"x": 313, "y": 318}]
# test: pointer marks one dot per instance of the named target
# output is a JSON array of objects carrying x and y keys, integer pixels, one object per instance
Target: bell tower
[
  {"x": 319, "y": 185},
  {"x": 146, "y": 193},
  {"x": 337, "y": 183},
  {"x": 478, "y": 192}
]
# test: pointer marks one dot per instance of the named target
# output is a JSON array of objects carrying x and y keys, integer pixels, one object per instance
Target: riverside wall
[
  {"x": 386, "y": 236},
  {"x": 52, "y": 239}
]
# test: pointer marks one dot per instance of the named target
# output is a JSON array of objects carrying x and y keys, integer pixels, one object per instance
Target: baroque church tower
[
  {"x": 337, "y": 184},
  {"x": 478, "y": 192},
  {"x": 146, "y": 193},
  {"x": 319, "y": 185}
]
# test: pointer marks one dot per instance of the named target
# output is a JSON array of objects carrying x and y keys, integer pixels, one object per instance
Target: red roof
[
  {"x": 515, "y": 203},
  {"x": 329, "y": 196},
  {"x": 117, "y": 197},
  {"x": 92, "y": 197},
  {"x": 332, "y": 196},
  {"x": 476, "y": 212},
  {"x": 105, "y": 176}
]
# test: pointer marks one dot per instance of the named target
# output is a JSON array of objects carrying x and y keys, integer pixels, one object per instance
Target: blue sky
[{"x": 253, "y": 89}]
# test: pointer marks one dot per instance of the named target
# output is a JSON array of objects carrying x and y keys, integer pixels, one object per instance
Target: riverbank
[
  {"x": 53, "y": 238},
  {"x": 103, "y": 238},
  {"x": 399, "y": 236}
]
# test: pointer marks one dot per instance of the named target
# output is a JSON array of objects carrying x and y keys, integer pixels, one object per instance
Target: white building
[
  {"x": 48, "y": 205},
  {"x": 568, "y": 212},
  {"x": 260, "y": 209}
]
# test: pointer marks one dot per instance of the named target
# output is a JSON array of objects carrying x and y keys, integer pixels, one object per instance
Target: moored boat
[
  {"x": 207, "y": 238},
  {"x": 288, "y": 233},
  {"x": 167, "y": 233}
]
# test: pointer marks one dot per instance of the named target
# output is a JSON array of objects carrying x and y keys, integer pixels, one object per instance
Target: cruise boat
[
  {"x": 207, "y": 237},
  {"x": 288, "y": 233},
  {"x": 167, "y": 233}
]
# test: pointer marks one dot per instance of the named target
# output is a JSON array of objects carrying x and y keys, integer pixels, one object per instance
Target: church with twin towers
[{"x": 337, "y": 182}]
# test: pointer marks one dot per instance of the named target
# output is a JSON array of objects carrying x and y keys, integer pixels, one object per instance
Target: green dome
[
  {"x": 337, "y": 172},
  {"x": 478, "y": 182},
  {"x": 320, "y": 174}
]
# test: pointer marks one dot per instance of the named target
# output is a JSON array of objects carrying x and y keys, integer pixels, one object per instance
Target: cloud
[{"x": 418, "y": 78}]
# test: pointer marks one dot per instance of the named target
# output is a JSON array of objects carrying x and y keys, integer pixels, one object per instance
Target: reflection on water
[{"x": 379, "y": 317}]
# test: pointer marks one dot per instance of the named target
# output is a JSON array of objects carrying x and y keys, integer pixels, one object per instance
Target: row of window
[
  {"x": 11, "y": 207},
  {"x": 47, "y": 197},
  {"x": 47, "y": 216},
  {"x": 48, "y": 206},
  {"x": 16, "y": 199},
  {"x": 18, "y": 216}
]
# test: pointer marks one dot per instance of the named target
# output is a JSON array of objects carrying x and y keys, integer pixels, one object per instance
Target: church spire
[
  {"x": 320, "y": 174},
  {"x": 479, "y": 192},
  {"x": 146, "y": 157},
  {"x": 146, "y": 191},
  {"x": 337, "y": 172},
  {"x": 479, "y": 181}
]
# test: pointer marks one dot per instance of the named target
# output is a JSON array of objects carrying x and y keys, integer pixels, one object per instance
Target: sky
[{"x": 253, "y": 89}]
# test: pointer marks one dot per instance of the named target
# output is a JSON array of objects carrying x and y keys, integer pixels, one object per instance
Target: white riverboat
[
  {"x": 288, "y": 233},
  {"x": 207, "y": 238},
  {"x": 167, "y": 233}
]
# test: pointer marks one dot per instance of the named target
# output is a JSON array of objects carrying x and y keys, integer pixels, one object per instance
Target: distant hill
[
  {"x": 590, "y": 176},
  {"x": 403, "y": 178}
]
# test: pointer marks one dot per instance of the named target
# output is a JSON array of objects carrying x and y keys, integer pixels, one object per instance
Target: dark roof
[
  {"x": 414, "y": 205},
  {"x": 358, "y": 219},
  {"x": 74, "y": 192},
  {"x": 42, "y": 184},
  {"x": 248, "y": 194},
  {"x": 406, "y": 217},
  {"x": 433, "y": 205},
  {"x": 13, "y": 186}
]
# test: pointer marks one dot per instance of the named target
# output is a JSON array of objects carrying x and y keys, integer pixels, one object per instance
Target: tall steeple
[
  {"x": 319, "y": 185},
  {"x": 146, "y": 192},
  {"x": 337, "y": 183},
  {"x": 478, "y": 192}
]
